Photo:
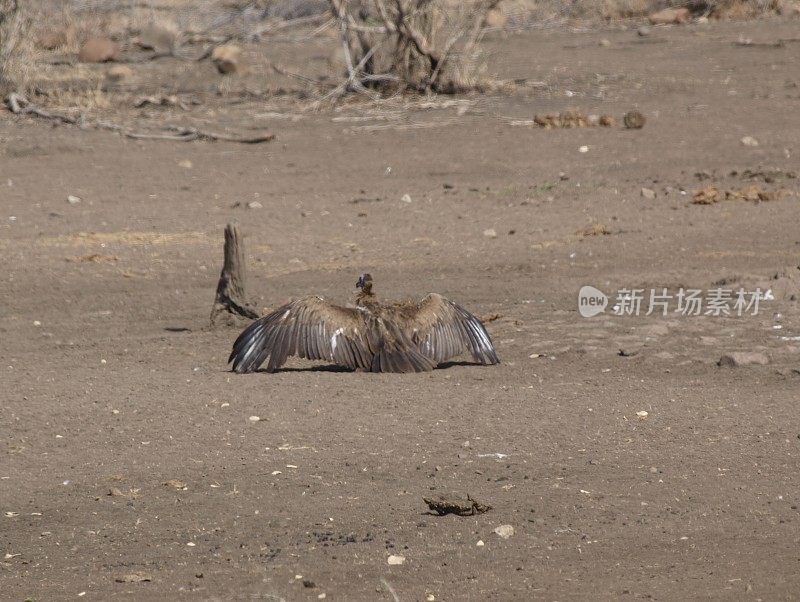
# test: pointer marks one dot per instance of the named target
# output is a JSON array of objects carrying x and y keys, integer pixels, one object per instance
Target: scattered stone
[
  {"x": 118, "y": 73},
  {"x": 642, "y": 414},
  {"x": 480, "y": 543},
  {"x": 226, "y": 58},
  {"x": 453, "y": 504},
  {"x": 605, "y": 43},
  {"x": 490, "y": 233},
  {"x": 74, "y": 200},
  {"x": 159, "y": 39},
  {"x": 505, "y": 531},
  {"x": 743, "y": 358},
  {"x": 98, "y": 50},
  {"x": 254, "y": 418},
  {"x": 630, "y": 351},
  {"x": 643, "y": 31},
  {"x": 670, "y": 16},
  {"x": 648, "y": 193},
  {"x": 633, "y": 120},
  {"x": 52, "y": 39},
  {"x": 254, "y": 205},
  {"x": 583, "y": 149},
  {"x": 396, "y": 560},
  {"x": 749, "y": 141},
  {"x": 705, "y": 196},
  {"x": 406, "y": 198}
]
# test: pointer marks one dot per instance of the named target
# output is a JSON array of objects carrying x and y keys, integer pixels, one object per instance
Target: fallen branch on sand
[{"x": 19, "y": 105}]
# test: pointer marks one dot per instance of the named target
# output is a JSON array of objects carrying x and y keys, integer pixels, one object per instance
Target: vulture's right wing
[{"x": 310, "y": 328}]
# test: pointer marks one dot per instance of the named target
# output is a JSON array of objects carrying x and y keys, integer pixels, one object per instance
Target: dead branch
[
  {"x": 230, "y": 297},
  {"x": 19, "y": 105},
  {"x": 187, "y": 134}
]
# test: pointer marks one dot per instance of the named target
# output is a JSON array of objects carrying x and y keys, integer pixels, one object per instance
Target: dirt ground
[{"x": 131, "y": 468}]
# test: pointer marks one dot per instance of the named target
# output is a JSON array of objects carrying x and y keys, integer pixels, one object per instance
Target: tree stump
[
  {"x": 10, "y": 33},
  {"x": 230, "y": 301}
]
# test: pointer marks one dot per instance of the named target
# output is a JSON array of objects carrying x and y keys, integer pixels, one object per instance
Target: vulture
[{"x": 371, "y": 337}]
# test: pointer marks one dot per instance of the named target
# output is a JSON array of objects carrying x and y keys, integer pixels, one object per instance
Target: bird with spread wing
[{"x": 372, "y": 336}]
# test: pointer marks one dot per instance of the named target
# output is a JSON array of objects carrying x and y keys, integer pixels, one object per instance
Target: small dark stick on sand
[{"x": 230, "y": 298}]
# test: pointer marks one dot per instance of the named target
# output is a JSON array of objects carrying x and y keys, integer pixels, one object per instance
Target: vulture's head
[{"x": 364, "y": 283}]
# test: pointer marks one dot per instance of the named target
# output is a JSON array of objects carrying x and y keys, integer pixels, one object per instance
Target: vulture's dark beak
[{"x": 360, "y": 282}]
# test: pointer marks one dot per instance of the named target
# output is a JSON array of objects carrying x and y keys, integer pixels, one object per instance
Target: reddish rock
[{"x": 98, "y": 50}]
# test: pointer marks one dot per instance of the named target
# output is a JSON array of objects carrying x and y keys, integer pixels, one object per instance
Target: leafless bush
[{"x": 422, "y": 45}]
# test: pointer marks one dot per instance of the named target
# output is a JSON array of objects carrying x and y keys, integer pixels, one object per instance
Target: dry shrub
[{"x": 421, "y": 45}]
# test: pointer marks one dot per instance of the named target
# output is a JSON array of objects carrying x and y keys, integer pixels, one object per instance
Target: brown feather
[{"x": 398, "y": 337}]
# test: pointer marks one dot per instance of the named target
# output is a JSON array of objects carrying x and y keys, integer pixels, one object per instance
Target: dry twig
[{"x": 19, "y": 105}]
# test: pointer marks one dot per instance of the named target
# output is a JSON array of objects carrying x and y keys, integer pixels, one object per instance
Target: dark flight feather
[{"x": 376, "y": 337}]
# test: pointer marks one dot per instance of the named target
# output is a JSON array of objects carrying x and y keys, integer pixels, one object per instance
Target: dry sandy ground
[{"x": 113, "y": 385}]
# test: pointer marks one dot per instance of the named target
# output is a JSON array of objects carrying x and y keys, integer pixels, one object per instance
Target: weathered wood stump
[
  {"x": 10, "y": 32},
  {"x": 230, "y": 302}
]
